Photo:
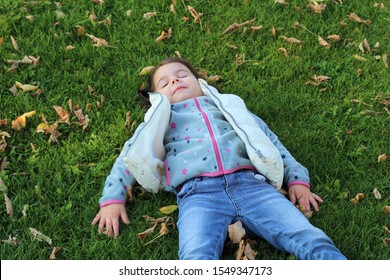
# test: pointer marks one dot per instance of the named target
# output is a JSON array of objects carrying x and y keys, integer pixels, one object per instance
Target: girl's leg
[
  {"x": 205, "y": 212},
  {"x": 269, "y": 215}
]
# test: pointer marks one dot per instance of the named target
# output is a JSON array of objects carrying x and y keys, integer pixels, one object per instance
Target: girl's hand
[
  {"x": 300, "y": 194},
  {"x": 109, "y": 219}
]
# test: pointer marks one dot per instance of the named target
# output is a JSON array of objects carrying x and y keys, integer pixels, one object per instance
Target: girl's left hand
[{"x": 300, "y": 194}]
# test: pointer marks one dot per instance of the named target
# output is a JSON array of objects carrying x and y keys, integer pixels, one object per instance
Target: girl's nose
[{"x": 175, "y": 80}]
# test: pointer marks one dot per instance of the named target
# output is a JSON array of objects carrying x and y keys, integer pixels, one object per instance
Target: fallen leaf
[
  {"x": 83, "y": 120},
  {"x": 323, "y": 42},
  {"x": 334, "y": 37},
  {"x": 8, "y": 205},
  {"x": 194, "y": 14},
  {"x": 256, "y": 28},
  {"x": 164, "y": 35},
  {"x": 386, "y": 209},
  {"x": 149, "y": 15},
  {"x": 54, "y": 252},
  {"x": 384, "y": 58},
  {"x": 147, "y": 232},
  {"x": 356, "y": 18},
  {"x": 3, "y": 122},
  {"x": 14, "y": 43},
  {"x": 316, "y": 8},
  {"x": 240, "y": 250},
  {"x": 20, "y": 121},
  {"x": 382, "y": 157},
  {"x": 26, "y": 87},
  {"x": 168, "y": 209},
  {"x": 236, "y": 232},
  {"x": 146, "y": 70},
  {"x": 291, "y": 40},
  {"x": 164, "y": 229},
  {"x": 12, "y": 240},
  {"x": 249, "y": 252},
  {"x": 273, "y": 31},
  {"x": 98, "y": 42},
  {"x": 284, "y": 51},
  {"x": 235, "y": 26},
  {"x": 64, "y": 115},
  {"x": 377, "y": 194},
  {"x": 40, "y": 236},
  {"x": 3, "y": 142},
  {"x": 47, "y": 128},
  {"x": 100, "y": 2},
  {"x": 360, "y": 58},
  {"x": 172, "y": 9},
  {"x": 24, "y": 211},
  {"x": 69, "y": 48}
]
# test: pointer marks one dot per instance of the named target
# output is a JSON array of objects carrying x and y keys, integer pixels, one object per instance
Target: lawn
[{"x": 316, "y": 72}]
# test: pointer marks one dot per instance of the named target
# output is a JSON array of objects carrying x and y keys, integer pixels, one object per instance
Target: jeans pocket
[{"x": 188, "y": 188}]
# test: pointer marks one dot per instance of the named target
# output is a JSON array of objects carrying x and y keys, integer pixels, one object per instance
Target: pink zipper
[{"x": 215, "y": 145}]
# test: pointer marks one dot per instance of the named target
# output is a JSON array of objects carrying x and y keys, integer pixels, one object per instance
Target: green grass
[{"x": 62, "y": 182}]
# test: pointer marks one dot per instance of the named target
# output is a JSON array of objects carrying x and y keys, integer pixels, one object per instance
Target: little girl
[{"x": 223, "y": 163}]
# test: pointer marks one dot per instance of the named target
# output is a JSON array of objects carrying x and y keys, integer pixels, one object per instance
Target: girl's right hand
[{"x": 108, "y": 218}]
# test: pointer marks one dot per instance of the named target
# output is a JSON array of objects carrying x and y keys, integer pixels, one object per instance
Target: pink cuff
[
  {"x": 304, "y": 183},
  {"x": 117, "y": 201}
]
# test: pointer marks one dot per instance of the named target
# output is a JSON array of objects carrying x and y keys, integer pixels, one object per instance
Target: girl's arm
[{"x": 296, "y": 176}]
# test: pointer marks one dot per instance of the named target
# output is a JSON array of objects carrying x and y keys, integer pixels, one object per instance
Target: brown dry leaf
[
  {"x": 382, "y": 157},
  {"x": 273, "y": 31},
  {"x": 98, "y": 42},
  {"x": 291, "y": 40},
  {"x": 46, "y": 128},
  {"x": 334, "y": 37},
  {"x": 282, "y": 2},
  {"x": 146, "y": 70},
  {"x": 240, "y": 250},
  {"x": 164, "y": 35},
  {"x": 364, "y": 46},
  {"x": 1, "y": 41},
  {"x": 356, "y": 18},
  {"x": 386, "y": 209},
  {"x": 14, "y": 43},
  {"x": 40, "y": 236},
  {"x": 149, "y": 15},
  {"x": 235, "y": 26},
  {"x": 360, "y": 58},
  {"x": 357, "y": 198},
  {"x": 155, "y": 220},
  {"x": 384, "y": 58},
  {"x": 236, "y": 232},
  {"x": 256, "y": 28},
  {"x": 3, "y": 187},
  {"x": 194, "y": 14},
  {"x": 249, "y": 252},
  {"x": 3, "y": 142},
  {"x": 64, "y": 115},
  {"x": 54, "y": 252},
  {"x": 20, "y": 121},
  {"x": 172, "y": 9},
  {"x": 100, "y": 103},
  {"x": 320, "y": 78},
  {"x": 377, "y": 194},
  {"x": 80, "y": 29},
  {"x": 316, "y": 8},
  {"x": 8, "y": 205},
  {"x": 323, "y": 42},
  {"x": 3, "y": 122},
  {"x": 100, "y": 2},
  {"x": 83, "y": 120},
  {"x": 214, "y": 78},
  {"x": 92, "y": 18},
  {"x": 284, "y": 51},
  {"x": 69, "y": 48},
  {"x": 146, "y": 233},
  {"x": 164, "y": 229},
  {"x": 4, "y": 164}
]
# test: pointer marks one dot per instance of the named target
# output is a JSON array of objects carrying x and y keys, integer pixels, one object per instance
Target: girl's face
[{"x": 176, "y": 81}]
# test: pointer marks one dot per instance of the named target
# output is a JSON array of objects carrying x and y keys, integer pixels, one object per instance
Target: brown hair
[{"x": 150, "y": 87}]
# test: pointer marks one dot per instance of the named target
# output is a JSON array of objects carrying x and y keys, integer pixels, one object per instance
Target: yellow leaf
[
  {"x": 168, "y": 209},
  {"x": 146, "y": 70}
]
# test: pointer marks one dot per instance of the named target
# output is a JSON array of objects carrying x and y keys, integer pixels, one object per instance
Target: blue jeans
[{"x": 208, "y": 205}]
